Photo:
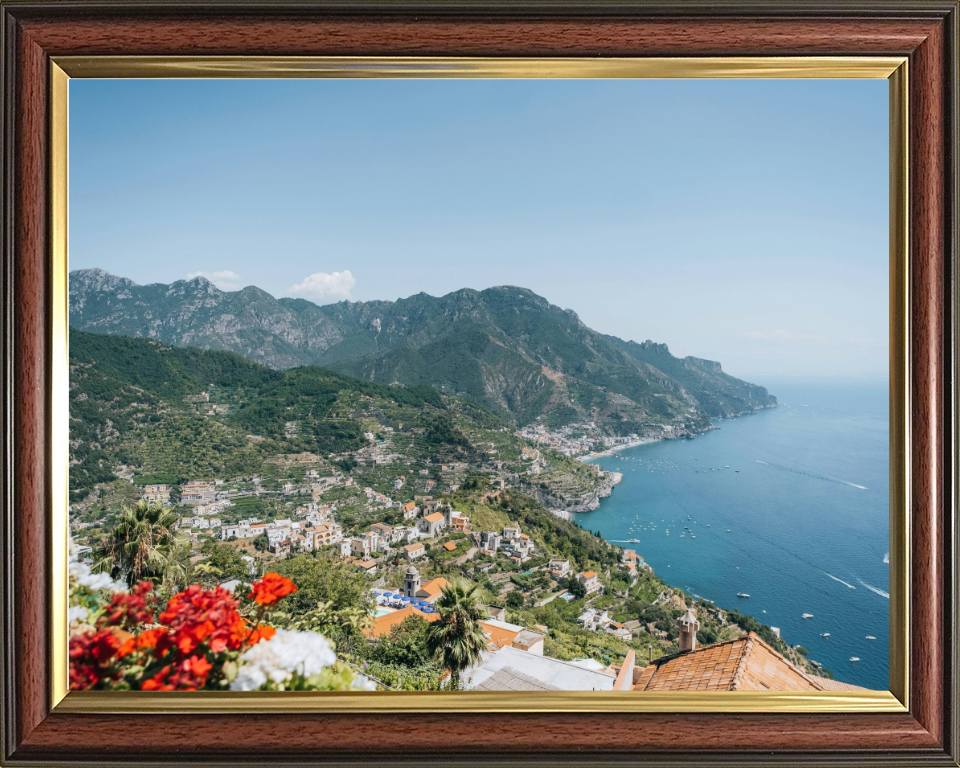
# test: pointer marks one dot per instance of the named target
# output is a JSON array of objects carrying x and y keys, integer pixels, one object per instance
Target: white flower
[
  {"x": 81, "y": 575},
  {"x": 285, "y": 654},
  {"x": 249, "y": 678},
  {"x": 363, "y": 683},
  {"x": 77, "y": 613}
]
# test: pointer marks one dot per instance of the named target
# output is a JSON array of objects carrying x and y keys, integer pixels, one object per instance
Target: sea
[{"x": 789, "y": 505}]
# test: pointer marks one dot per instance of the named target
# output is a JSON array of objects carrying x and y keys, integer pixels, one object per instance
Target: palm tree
[
  {"x": 456, "y": 638},
  {"x": 208, "y": 570},
  {"x": 142, "y": 545}
]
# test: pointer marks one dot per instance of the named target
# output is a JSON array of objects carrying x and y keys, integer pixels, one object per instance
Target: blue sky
[{"x": 740, "y": 221}]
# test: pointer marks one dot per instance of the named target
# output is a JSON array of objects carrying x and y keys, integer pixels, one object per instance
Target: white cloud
[
  {"x": 782, "y": 335},
  {"x": 224, "y": 279},
  {"x": 323, "y": 286}
]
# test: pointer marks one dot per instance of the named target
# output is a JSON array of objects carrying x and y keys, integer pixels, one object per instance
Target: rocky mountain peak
[{"x": 97, "y": 279}]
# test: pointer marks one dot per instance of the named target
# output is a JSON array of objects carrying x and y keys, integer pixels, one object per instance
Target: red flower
[
  {"x": 146, "y": 641},
  {"x": 90, "y": 658},
  {"x": 198, "y": 666},
  {"x": 261, "y": 632},
  {"x": 156, "y": 683},
  {"x": 129, "y": 610},
  {"x": 186, "y": 675},
  {"x": 199, "y": 615},
  {"x": 271, "y": 588},
  {"x": 196, "y": 622}
]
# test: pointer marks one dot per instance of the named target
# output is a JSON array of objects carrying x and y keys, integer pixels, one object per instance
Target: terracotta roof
[
  {"x": 367, "y": 563},
  {"x": 434, "y": 517},
  {"x": 413, "y": 547},
  {"x": 450, "y": 546},
  {"x": 382, "y": 625},
  {"x": 434, "y": 586},
  {"x": 836, "y": 685},
  {"x": 745, "y": 663},
  {"x": 588, "y": 574},
  {"x": 498, "y": 636}
]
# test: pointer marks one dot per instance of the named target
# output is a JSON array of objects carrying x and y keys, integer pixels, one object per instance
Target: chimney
[{"x": 688, "y": 631}]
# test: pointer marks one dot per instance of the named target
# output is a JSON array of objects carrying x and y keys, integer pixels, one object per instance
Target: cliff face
[{"x": 505, "y": 347}]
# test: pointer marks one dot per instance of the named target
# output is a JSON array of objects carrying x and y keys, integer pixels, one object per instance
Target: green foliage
[
  {"x": 406, "y": 644},
  {"x": 133, "y": 402},
  {"x": 227, "y": 561},
  {"x": 168, "y": 372},
  {"x": 750, "y": 624},
  {"x": 456, "y": 639},
  {"x": 342, "y": 625},
  {"x": 141, "y": 545},
  {"x": 321, "y": 579},
  {"x": 421, "y": 677},
  {"x": 191, "y": 446}
]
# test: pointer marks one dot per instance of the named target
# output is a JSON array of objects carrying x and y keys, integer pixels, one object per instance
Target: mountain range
[{"x": 504, "y": 347}]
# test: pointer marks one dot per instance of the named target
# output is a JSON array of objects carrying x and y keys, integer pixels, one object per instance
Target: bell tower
[{"x": 411, "y": 582}]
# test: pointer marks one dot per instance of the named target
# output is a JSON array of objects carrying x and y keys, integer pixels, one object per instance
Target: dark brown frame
[{"x": 925, "y": 32}]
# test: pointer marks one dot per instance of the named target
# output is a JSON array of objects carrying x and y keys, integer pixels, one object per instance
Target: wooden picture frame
[{"x": 38, "y": 38}]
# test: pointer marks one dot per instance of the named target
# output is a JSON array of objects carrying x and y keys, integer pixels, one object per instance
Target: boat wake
[
  {"x": 812, "y": 474},
  {"x": 840, "y": 580},
  {"x": 886, "y": 558},
  {"x": 875, "y": 590}
]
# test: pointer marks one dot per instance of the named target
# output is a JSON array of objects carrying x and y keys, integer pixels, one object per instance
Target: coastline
[{"x": 618, "y": 448}]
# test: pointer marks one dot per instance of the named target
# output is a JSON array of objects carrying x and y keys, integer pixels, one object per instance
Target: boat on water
[
  {"x": 742, "y": 594},
  {"x": 854, "y": 658},
  {"x": 808, "y": 615},
  {"x": 633, "y": 541},
  {"x": 692, "y": 536},
  {"x": 824, "y": 634},
  {"x": 871, "y": 637},
  {"x": 728, "y": 530}
]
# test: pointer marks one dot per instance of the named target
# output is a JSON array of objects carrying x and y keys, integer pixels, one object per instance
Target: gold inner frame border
[{"x": 893, "y": 69}]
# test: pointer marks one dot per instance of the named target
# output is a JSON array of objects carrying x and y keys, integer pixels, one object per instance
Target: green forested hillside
[{"x": 142, "y": 409}]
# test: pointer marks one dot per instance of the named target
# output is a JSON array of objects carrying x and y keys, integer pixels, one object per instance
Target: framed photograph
[{"x": 433, "y": 384}]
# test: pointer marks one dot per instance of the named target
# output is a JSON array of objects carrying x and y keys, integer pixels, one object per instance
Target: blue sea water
[{"x": 789, "y": 505}]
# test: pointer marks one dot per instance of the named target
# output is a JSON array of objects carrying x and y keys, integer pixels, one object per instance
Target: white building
[{"x": 513, "y": 669}]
